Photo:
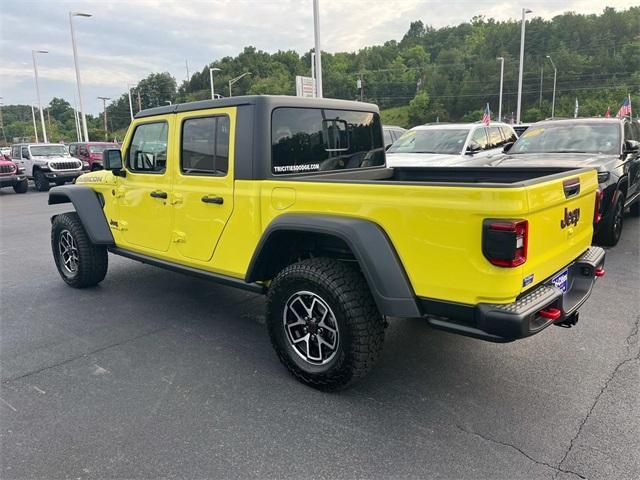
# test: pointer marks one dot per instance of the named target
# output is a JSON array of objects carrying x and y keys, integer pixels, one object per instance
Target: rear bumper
[
  {"x": 522, "y": 318},
  {"x": 11, "y": 180}
]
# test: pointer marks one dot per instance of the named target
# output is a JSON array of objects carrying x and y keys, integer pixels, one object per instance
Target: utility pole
[
  {"x": 186, "y": 63},
  {"x": 316, "y": 34},
  {"x": 104, "y": 109},
  {"x": 139, "y": 101},
  {"x": 49, "y": 118},
  {"x": 130, "y": 103},
  {"x": 522, "y": 27},
  {"x": 360, "y": 85}
]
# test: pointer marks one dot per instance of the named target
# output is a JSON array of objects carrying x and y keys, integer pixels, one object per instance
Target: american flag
[
  {"x": 625, "y": 109},
  {"x": 486, "y": 116}
]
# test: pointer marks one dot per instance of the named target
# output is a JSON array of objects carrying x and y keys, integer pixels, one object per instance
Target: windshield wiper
[{"x": 565, "y": 151}]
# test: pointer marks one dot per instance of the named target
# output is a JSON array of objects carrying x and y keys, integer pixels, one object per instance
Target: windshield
[
  {"x": 48, "y": 150},
  {"x": 433, "y": 140},
  {"x": 101, "y": 148},
  {"x": 570, "y": 138}
]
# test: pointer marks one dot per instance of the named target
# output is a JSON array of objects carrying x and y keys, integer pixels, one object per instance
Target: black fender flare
[
  {"x": 89, "y": 209},
  {"x": 372, "y": 248}
]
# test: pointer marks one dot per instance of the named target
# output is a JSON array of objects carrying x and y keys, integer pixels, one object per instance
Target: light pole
[
  {"x": 211, "y": 70},
  {"x": 104, "y": 109},
  {"x": 75, "y": 60},
  {"x": 318, "y": 59},
  {"x": 75, "y": 117},
  {"x": 35, "y": 72},
  {"x": 501, "y": 83},
  {"x": 519, "y": 106},
  {"x": 35, "y": 128},
  {"x": 234, "y": 80},
  {"x": 555, "y": 76}
]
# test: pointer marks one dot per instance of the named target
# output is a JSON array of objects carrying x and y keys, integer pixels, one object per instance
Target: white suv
[
  {"x": 46, "y": 163},
  {"x": 445, "y": 144}
]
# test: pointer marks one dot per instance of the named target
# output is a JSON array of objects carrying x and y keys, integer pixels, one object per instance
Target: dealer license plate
[{"x": 561, "y": 280}]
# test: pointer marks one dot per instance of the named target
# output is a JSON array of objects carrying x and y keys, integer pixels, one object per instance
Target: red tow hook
[
  {"x": 599, "y": 272},
  {"x": 550, "y": 313}
]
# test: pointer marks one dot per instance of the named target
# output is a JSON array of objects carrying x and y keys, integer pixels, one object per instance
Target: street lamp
[
  {"x": 318, "y": 58},
  {"x": 555, "y": 76},
  {"x": 104, "y": 109},
  {"x": 130, "y": 103},
  {"x": 35, "y": 128},
  {"x": 75, "y": 60},
  {"x": 35, "y": 71},
  {"x": 519, "y": 106},
  {"x": 234, "y": 80},
  {"x": 211, "y": 70},
  {"x": 501, "y": 83}
]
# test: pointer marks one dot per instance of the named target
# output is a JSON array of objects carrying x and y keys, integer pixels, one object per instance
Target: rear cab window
[
  {"x": 205, "y": 146},
  {"x": 315, "y": 139}
]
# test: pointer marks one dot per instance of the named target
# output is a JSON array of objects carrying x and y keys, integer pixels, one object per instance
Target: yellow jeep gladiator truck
[{"x": 291, "y": 197}]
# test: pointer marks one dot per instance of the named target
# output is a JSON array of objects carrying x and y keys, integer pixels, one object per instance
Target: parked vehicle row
[
  {"x": 47, "y": 163},
  {"x": 610, "y": 145},
  {"x": 291, "y": 197},
  {"x": 90, "y": 152}
]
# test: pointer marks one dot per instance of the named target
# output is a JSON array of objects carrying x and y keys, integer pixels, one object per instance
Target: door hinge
[
  {"x": 179, "y": 237},
  {"x": 177, "y": 199}
]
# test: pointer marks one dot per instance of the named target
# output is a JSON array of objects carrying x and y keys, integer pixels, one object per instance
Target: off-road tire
[
  {"x": 21, "y": 187},
  {"x": 611, "y": 230},
  {"x": 42, "y": 182},
  {"x": 360, "y": 325},
  {"x": 92, "y": 261},
  {"x": 634, "y": 209}
]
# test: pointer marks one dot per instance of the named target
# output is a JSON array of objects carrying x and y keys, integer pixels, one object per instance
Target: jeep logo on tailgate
[{"x": 571, "y": 217}]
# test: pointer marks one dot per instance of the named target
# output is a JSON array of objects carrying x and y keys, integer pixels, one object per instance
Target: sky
[{"x": 126, "y": 40}]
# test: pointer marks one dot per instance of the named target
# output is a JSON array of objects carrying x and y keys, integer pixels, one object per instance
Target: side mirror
[
  {"x": 112, "y": 160},
  {"x": 473, "y": 147},
  {"x": 631, "y": 146},
  {"x": 507, "y": 147}
]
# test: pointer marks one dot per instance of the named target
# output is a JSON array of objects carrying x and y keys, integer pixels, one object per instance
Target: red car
[
  {"x": 12, "y": 176},
  {"x": 90, "y": 152}
]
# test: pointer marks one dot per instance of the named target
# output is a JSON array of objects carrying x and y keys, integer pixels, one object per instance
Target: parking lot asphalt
[{"x": 154, "y": 374}]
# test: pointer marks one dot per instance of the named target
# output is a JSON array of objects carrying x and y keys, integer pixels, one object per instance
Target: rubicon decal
[{"x": 571, "y": 217}]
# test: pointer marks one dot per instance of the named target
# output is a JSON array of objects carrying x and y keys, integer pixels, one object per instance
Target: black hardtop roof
[{"x": 268, "y": 101}]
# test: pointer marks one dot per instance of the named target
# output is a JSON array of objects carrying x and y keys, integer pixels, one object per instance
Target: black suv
[{"x": 611, "y": 145}]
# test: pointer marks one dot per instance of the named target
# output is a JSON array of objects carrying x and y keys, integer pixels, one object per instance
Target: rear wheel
[
  {"x": 79, "y": 262},
  {"x": 323, "y": 323},
  {"x": 42, "y": 182},
  {"x": 610, "y": 232},
  {"x": 21, "y": 187}
]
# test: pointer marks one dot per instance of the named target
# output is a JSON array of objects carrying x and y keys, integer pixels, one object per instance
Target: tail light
[
  {"x": 504, "y": 242},
  {"x": 597, "y": 216}
]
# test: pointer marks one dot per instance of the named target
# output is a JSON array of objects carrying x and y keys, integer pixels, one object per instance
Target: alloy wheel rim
[
  {"x": 617, "y": 221},
  {"x": 311, "y": 328},
  {"x": 68, "y": 251}
]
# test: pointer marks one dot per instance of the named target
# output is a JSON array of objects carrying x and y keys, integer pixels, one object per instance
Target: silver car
[{"x": 446, "y": 144}]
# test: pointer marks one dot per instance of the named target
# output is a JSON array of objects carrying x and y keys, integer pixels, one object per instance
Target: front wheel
[
  {"x": 41, "y": 181},
  {"x": 80, "y": 263},
  {"x": 21, "y": 187},
  {"x": 324, "y": 323}
]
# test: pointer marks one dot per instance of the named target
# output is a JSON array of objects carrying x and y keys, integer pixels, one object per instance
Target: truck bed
[{"x": 452, "y": 176}]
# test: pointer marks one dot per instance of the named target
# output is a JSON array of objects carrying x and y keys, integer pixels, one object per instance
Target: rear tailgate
[{"x": 560, "y": 223}]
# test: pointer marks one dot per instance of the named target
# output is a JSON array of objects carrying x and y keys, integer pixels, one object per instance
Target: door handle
[
  {"x": 216, "y": 200},
  {"x": 158, "y": 194}
]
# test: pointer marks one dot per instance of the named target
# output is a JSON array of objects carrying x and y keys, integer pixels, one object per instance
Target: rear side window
[
  {"x": 480, "y": 137},
  {"x": 205, "y": 146},
  {"x": 314, "y": 139},
  {"x": 495, "y": 137},
  {"x": 72, "y": 149},
  {"x": 148, "y": 150},
  {"x": 15, "y": 152}
]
